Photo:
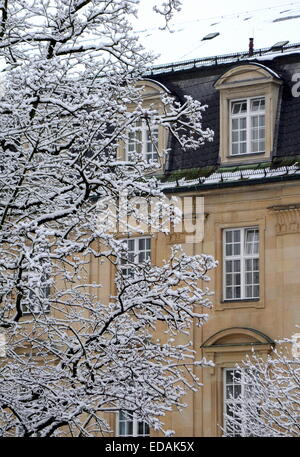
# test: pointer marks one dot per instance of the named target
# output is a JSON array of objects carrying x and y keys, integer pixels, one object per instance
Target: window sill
[
  {"x": 240, "y": 303},
  {"x": 238, "y": 300},
  {"x": 247, "y": 154}
]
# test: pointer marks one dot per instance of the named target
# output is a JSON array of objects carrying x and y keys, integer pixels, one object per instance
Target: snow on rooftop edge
[{"x": 259, "y": 54}]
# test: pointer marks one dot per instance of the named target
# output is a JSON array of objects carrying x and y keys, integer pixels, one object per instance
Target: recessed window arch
[{"x": 227, "y": 348}]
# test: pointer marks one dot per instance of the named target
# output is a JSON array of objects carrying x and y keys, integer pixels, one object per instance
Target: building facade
[{"x": 249, "y": 181}]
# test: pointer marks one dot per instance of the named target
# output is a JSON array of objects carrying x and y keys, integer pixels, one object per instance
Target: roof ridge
[{"x": 219, "y": 59}]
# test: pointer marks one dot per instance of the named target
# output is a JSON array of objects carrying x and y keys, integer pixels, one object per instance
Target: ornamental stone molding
[
  {"x": 288, "y": 219},
  {"x": 176, "y": 238}
]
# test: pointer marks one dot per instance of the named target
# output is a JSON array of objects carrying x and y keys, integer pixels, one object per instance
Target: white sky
[{"x": 235, "y": 20}]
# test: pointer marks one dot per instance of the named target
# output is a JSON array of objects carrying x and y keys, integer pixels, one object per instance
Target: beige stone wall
[
  {"x": 234, "y": 328},
  {"x": 274, "y": 207}
]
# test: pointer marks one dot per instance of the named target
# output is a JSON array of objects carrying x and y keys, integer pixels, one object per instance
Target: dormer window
[
  {"x": 145, "y": 139},
  {"x": 142, "y": 140},
  {"x": 248, "y": 126},
  {"x": 249, "y": 95}
]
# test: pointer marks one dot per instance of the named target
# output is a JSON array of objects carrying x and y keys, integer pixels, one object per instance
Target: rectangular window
[
  {"x": 128, "y": 425},
  {"x": 2, "y": 345},
  {"x": 247, "y": 126},
  {"x": 235, "y": 391},
  {"x": 139, "y": 250},
  {"x": 36, "y": 300},
  {"x": 142, "y": 140},
  {"x": 241, "y": 263}
]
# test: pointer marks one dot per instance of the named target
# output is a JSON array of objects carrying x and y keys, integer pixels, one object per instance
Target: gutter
[{"x": 222, "y": 185}]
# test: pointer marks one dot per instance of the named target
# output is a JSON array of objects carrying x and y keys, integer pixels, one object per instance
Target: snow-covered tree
[
  {"x": 269, "y": 402},
  {"x": 70, "y": 69}
]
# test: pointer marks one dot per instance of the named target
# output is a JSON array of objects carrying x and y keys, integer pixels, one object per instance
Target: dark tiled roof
[{"x": 199, "y": 83}]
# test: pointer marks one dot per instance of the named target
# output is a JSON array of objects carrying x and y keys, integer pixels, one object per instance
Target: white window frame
[
  {"x": 135, "y": 425},
  {"x": 2, "y": 344},
  {"x": 44, "y": 292},
  {"x": 144, "y": 129},
  {"x": 234, "y": 400},
  {"x": 242, "y": 257},
  {"x": 248, "y": 115},
  {"x": 136, "y": 251}
]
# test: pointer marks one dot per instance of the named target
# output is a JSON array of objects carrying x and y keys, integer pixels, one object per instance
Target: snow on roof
[
  {"x": 234, "y": 176},
  {"x": 268, "y": 26},
  {"x": 264, "y": 54}
]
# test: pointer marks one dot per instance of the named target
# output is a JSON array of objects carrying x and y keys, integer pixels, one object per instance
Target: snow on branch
[{"x": 75, "y": 346}]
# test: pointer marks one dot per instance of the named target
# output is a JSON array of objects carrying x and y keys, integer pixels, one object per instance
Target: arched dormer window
[
  {"x": 248, "y": 107},
  {"x": 144, "y": 138}
]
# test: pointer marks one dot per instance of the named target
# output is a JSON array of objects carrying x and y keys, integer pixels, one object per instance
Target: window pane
[
  {"x": 237, "y": 265},
  {"x": 249, "y": 292},
  {"x": 239, "y": 107},
  {"x": 235, "y": 108},
  {"x": 229, "y": 293},
  {"x": 254, "y": 121},
  {"x": 251, "y": 242},
  {"x": 237, "y": 292},
  {"x": 228, "y": 280},
  {"x": 237, "y": 236},
  {"x": 140, "y": 428},
  {"x": 129, "y": 428},
  {"x": 237, "y": 249},
  {"x": 258, "y": 104},
  {"x": 229, "y": 391},
  {"x": 235, "y": 136},
  {"x": 237, "y": 279},
  {"x": 242, "y": 136},
  {"x": 256, "y": 291},
  {"x": 243, "y": 148},
  {"x": 243, "y": 123},
  {"x": 228, "y": 236},
  {"x": 235, "y": 148},
  {"x": 122, "y": 430},
  {"x": 249, "y": 278},
  {"x": 142, "y": 256},
  {"x": 235, "y": 124},
  {"x": 237, "y": 390},
  {"x": 229, "y": 249},
  {"x": 262, "y": 146},
  {"x": 130, "y": 244},
  {"x": 228, "y": 265},
  {"x": 143, "y": 429},
  {"x": 229, "y": 376},
  {"x": 249, "y": 265}
]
